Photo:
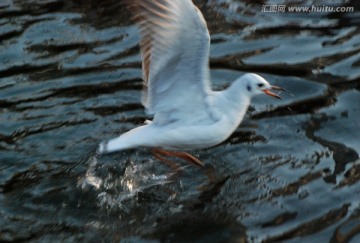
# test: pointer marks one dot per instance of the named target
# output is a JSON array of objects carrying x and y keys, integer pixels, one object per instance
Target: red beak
[{"x": 268, "y": 92}]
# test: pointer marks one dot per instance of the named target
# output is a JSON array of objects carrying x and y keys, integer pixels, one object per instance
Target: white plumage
[{"x": 188, "y": 115}]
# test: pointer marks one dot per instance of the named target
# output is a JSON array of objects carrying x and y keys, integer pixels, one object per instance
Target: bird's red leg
[
  {"x": 187, "y": 157},
  {"x": 158, "y": 154}
]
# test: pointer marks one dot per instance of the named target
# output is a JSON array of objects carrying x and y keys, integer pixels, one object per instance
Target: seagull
[{"x": 187, "y": 114}]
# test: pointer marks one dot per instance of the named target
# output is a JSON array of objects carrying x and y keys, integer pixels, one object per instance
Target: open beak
[{"x": 268, "y": 92}]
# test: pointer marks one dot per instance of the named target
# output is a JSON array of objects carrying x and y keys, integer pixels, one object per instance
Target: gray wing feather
[{"x": 175, "y": 46}]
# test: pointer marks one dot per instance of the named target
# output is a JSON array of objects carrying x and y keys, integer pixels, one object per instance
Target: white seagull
[{"x": 188, "y": 115}]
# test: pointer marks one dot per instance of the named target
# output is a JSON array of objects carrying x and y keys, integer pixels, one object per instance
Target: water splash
[{"x": 118, "y": 188}]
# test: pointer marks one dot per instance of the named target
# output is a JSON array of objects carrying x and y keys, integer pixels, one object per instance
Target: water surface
[{"x": 70, "y": 77}]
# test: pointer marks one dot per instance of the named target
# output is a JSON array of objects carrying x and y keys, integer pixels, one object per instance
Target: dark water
[{"x": 70, "y": 77}]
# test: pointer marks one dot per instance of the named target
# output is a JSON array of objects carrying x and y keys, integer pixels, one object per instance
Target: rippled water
[{"x": 70, "y": 77}]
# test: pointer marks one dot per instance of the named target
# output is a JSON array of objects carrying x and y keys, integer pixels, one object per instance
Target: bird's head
[{"x": 255, "y": 84}]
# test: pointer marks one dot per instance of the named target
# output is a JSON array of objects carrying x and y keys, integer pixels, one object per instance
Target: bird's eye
[{"x": 260, "y": 85}]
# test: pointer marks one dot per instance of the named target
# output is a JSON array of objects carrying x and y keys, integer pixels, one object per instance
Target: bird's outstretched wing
[{"x": 175, "y": 46}]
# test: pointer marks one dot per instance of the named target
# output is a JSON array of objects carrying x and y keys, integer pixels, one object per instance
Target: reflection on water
[{"x": 70, "y": 77}]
